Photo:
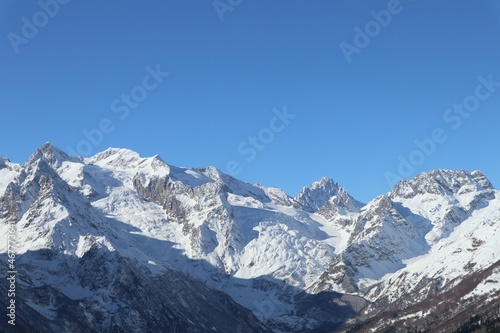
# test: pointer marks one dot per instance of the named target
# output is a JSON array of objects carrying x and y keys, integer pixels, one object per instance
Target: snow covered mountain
[{"x": 117, "y": 242}]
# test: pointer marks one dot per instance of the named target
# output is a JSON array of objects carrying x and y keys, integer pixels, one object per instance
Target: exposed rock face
[
  {"x": 326, "y": 196},
  {"x": 108, "y": 293},
  {"x": 121, "y": 243}
]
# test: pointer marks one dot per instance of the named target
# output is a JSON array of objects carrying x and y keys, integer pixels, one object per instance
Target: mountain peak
[
  {"x": 315, "y": 196},
  {"x": 115, "y": 156},
  {"x": 323, "y": 255},
  {"x": 51, "y": 154},
  {"x": 441, "y": 182},
  {"x": 158, "y": 158},
  {"x": 112, "y": 151},
  {"x": 481, "y": 179},
  {"x": 324, "y": 182}
]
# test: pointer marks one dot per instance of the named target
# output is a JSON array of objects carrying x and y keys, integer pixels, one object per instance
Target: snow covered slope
[{"x": 272, "y": 254}]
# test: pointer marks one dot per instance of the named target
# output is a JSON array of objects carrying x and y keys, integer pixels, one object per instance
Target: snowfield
[{"x": 255, "y": 243}]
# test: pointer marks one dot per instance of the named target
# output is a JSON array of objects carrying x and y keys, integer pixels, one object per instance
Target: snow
[
  {"x": 190, "y": 178},
  {"x": 277, "y": 241},
  {"x": 313, "y": 197},
  {"x": 74, "y": 291},
  {"x": 488, "y": 286},
  {"x": 8, "y": 174},
  {"x": 48, "y": 311},
  {"x": 233, "y": 233},
  {"x": 473, "y": 241},
  {"x": 238, "y": 200},
  {"x": 338, "y": 237},
  {"x": 71, "y": 172}
]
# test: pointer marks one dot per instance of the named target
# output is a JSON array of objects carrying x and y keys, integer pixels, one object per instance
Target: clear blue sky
[{"x": 352, "y": 119}]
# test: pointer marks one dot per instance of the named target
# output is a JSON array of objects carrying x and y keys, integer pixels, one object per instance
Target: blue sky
[{"x": 234, "y": 68}]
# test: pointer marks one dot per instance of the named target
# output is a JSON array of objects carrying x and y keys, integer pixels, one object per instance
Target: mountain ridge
[{"x": 272, "y": 254}]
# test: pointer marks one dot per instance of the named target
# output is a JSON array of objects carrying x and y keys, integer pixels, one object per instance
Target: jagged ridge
[{"x": 255, "y": 243}]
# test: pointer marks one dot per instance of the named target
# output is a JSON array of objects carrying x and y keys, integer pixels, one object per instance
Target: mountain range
[{"x": 121, "y": 243}]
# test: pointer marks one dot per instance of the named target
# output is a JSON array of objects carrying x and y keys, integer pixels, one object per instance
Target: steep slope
[
  {"x": 469, "y": 304},
  {"x": 326, "y": 192},
  {"x": 381, "y": 240},
  {"x": 329, "y": 201},
  {"x": 444, "y": 197},
  {"x": 217, "y": 254},
  {"x": 457, "y": 277},
  {"x": 250, "y": 241},
  {"x": 80, "y": 270},
  {"x": 8, "y": 172}
]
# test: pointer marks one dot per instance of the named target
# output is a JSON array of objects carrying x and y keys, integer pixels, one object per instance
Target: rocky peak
[
  {"x": 481, "y": 180},
  {"x": 327, "y": 198},
  {"x": 50, "y": 154},
  {"x": 150, "y": 218},
  {"x": 3, "y": 162},
  {"x": 373, "y": 214},
  {"x": 315, "y": 196},
  {"x": 441, "y": 182}
]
